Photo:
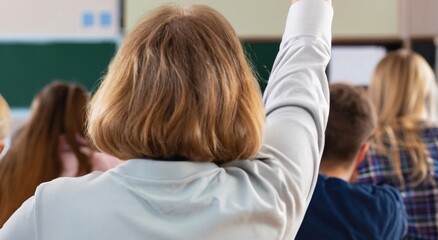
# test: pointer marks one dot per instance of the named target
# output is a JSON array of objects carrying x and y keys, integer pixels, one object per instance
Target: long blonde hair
[
  {"x": 34, "y": 155},
  {"x": 403, "y": 92},
  {"x": 179, "y": 88}
]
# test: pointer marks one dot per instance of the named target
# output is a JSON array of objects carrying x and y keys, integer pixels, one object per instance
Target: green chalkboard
[
  {"x": 25, "y": 68},
  {"x": 262, "y": 56}
]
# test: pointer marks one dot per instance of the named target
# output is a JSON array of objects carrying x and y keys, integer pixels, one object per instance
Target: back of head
[
  {"x": 403, "y": 87},
  {"x": 59, "y": 109},
  {"x": 5, "y": 120},
  {"x": 403, "y": 90},
  {"x": 351, "y": 122},
  {"x": 179, "y": 88}
]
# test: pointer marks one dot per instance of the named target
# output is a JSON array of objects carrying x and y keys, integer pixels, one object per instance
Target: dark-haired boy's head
[{"x": 351, "y": 122}]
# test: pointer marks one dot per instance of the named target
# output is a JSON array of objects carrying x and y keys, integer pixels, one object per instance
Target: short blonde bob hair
[{"x": 179, "y": 88}]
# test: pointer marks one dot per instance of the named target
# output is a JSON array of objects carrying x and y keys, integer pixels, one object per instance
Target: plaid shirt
[{"x": 421, "y": 202}]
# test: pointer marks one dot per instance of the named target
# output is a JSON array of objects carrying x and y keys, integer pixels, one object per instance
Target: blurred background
[{"x": 45, "y": 40}]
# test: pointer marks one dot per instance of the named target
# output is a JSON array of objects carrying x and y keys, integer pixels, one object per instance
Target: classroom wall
[
  {"x": 45, "y": 40},
  {"x": 366, "y": 19},
  {"x": 250, "y": 18},
  {"x": 422, "y": 18},
  {"x": 264, "y": 19},
  {"x": 59, "y": 19}
]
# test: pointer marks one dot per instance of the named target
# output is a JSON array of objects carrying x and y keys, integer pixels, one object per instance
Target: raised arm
[
  {"x": 298, "y": 79},
  {"x": 297, "y": 104}
]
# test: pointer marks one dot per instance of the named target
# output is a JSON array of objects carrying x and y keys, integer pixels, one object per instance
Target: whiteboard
[
  {"x": 354, "y": 64},
  {"x": 59, "y": 19}
]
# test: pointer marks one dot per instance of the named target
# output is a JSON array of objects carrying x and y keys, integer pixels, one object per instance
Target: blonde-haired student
[
  {"x": 404, "y": 149},
  {"x": 5, "y": 122},
  {"x": 204, "y": 158}
]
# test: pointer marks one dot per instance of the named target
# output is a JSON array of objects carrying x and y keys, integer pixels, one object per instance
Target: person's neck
[{"x": 333, "y": 169}]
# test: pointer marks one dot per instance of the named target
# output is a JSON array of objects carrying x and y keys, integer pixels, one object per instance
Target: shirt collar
[{"x": 163, "y": 170}]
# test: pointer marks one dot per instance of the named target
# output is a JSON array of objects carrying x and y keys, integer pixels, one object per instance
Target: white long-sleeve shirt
[{"x": 263, "y": 198}]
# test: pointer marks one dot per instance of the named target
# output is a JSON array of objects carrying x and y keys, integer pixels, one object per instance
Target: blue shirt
[{"x": 341, "y": 210}]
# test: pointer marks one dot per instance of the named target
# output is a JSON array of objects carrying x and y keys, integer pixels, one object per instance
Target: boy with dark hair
[{"x": 339, "y": 209}]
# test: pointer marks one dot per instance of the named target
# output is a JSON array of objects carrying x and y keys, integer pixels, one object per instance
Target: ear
[
  {"x": 359, "y": 158},
  {"x": 361, "y": 155},
  {"x": 2, "y": 146}
]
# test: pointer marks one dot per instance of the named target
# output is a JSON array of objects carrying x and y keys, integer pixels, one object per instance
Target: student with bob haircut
[
  {"x": 404, "y": 150},
  {"x": 47, "y": 146},
  {"x": 204, "y": 159},
  {"x": 340, "y": 209},
  {"x": 5, "y": 123}
]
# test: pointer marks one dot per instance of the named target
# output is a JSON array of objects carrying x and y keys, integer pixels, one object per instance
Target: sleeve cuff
[{"x": 309, "y": 18}]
